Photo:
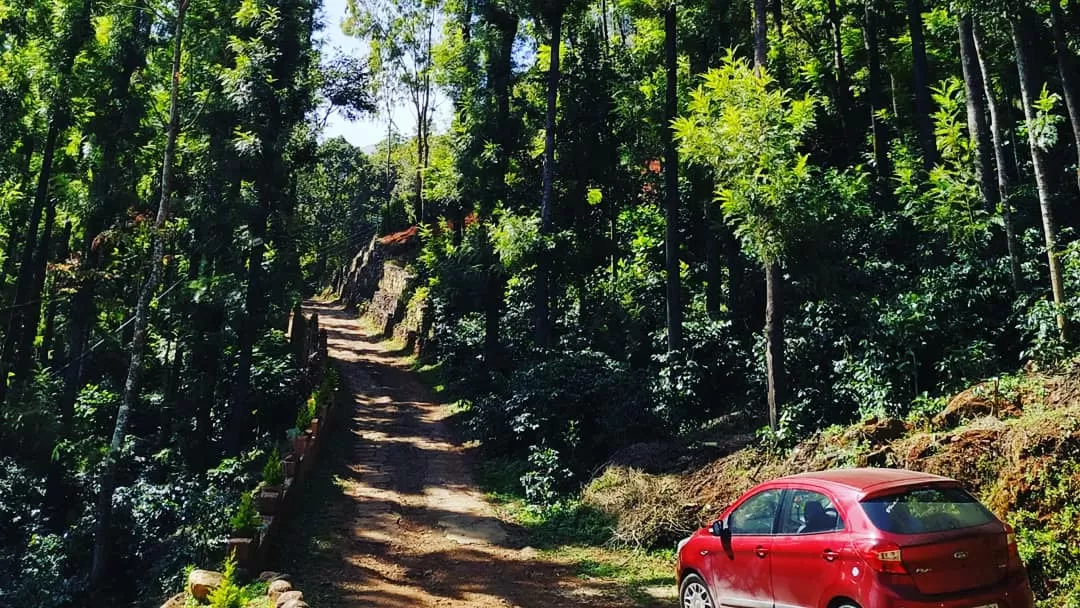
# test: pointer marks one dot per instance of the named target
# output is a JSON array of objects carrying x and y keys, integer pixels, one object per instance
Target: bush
[
  {"x": 228, "y": 595},
  {"x": 581, "y": 404},
  {"x": 545, "y": 478},
  {"x": 273, "y": 474},
  {"x": 306, "y": 414},
  {"x": 246, "y": 521}
]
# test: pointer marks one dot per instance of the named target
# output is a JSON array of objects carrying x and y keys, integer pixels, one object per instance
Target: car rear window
[{"x": 922, "y": 510}]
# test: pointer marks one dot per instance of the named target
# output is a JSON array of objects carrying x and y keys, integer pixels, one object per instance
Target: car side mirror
[
  {"x": 717, "y": 528},
  {"x": 721, "y": 528}
]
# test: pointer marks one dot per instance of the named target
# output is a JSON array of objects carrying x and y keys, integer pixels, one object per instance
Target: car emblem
[{"x": 960, "y": 555}]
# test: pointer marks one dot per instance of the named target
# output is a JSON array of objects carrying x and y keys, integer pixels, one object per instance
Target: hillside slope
[{"x": 1013, "y": 441}]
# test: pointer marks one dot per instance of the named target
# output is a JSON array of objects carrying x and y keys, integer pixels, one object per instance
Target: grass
[{"x": 575, "y": 534}]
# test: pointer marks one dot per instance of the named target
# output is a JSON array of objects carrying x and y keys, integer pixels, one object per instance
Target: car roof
[{"x": 866, "y": 480}]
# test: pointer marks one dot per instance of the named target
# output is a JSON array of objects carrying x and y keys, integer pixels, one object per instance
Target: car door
[
  {"x": 740, "y": 566},
  {"x": 810, "y": 550}
]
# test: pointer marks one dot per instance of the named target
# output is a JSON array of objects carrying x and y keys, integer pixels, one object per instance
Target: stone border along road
[{"x": 391, "y": 517}]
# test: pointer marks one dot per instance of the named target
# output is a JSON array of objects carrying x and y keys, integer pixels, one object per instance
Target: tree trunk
[
  {"x": 875, "y": 92},
  {"x": 1066, "y": 63},
  {"x": 671, "y": 184},
  {"x": 16, "y": 321},
  {"x": 24, "y": 361},
  {"x": 921, "y": 67},
  {"x": 843, "y": 85},
  {"x": 501, "y": 74},
  {"x": 1021, "y": 39},
  {"x": 774, "y": 342},
  {"x": 978, "y": 129},
  {"x": 45, "y": 357},
  {"x": 761, "y": 35},
  {"x": 544, "y": 266},
  {"x": 103, "y": 511},
  {"x": 1000, "y": 159},
  {"x": 239, "y": 408}
]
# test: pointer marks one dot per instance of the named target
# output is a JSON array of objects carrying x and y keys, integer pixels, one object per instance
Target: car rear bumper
[{"x": 1015, "y": 594}]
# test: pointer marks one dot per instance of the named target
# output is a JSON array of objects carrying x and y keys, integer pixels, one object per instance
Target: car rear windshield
[{"x": 926, "y": 509}]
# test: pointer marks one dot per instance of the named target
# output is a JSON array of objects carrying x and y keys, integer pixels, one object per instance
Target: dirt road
[{"x": 393, "y": 518}]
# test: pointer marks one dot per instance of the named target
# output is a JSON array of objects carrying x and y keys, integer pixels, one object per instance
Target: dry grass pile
[{"x": 649, "y": 510}]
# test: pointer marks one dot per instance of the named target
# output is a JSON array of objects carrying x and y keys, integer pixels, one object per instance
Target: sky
[{"x": 367, "y": 132}]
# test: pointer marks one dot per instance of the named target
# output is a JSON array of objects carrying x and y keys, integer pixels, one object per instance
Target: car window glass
[
  {"x": 810, "y": 512},
  {"x": 757, "y": 514},
  {"x": 923, "y": 510}
]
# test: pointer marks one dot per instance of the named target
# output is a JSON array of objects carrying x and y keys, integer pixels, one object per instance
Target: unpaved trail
[{"x": 392, "y": 519}]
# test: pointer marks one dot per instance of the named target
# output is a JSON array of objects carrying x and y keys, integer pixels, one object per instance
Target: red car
[{"x": 854, "y": 538}]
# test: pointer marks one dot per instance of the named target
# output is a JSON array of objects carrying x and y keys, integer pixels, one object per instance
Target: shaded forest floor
[{"x": 393, "y": 518}]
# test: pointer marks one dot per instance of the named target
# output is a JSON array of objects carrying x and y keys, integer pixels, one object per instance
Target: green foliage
[
  {"x": 544, "y": 478},
  {"x": 306, "y": 413},
  {"x": 1045, "y": 533},
  {"x": 951, "y": 203},
  {"x": 273, "y": 475},
  {"x": 749, "y": 132},
  {"x": 228, "y": 594},
  {"x": 245, "y": 520}
]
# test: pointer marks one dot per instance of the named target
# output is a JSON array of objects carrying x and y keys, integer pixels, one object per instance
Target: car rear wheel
[{"x": 694, "y": 594}]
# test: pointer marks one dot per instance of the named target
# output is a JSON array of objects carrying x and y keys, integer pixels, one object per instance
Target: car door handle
[
  {"x": 761, "y": 551},
  {"x": 829, "y": 555}
]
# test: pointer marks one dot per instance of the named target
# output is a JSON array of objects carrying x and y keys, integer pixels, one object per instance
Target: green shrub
[
  {"x": 273, "y": 474},
  {"x": 228, "y": 595},
  {"x": 306, "y": 414},
  {"x": 246, "y": 521}
]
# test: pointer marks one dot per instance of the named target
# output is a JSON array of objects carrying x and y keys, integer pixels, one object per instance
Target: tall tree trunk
[
  {"x": 1066, "y": 63},
  {"x": 254, "y": 311},
  {"x": 1000, "y": 159},
  {"x": 45, "y": 356},
  {"x": 16, "y": 321},
  {"x": 1021, "y": 32},
  {"x": 103, "y": 510},
  {"x": 978, "y": 129},
  {"x": 761, "y": 35},
  {"x": 671, "y": 184},
  {"x": 774, "y": 342},
  {"x": 774, "y": 312},
  {"x": 506, "y": 24},
  {"x": 843, "y": 84},
  {"x": 24, "y": 361},
  {"x": 921, "y": 68},
  {"x": 876, "y": 92},
  {"x": 544, "y": 266}
]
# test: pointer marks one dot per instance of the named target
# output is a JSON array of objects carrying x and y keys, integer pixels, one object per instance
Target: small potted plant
[
  {"x": 245, "y": 524},
  {"x": 271, "y": 490}
]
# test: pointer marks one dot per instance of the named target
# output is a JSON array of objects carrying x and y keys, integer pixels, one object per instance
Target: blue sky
[{"x": 372, "y": 129}]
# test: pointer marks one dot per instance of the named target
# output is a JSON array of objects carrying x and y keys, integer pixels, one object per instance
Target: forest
[{"x": 645, "y": 219}]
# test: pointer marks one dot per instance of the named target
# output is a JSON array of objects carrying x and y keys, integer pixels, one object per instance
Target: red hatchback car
[{"x": 854, "y": 538}]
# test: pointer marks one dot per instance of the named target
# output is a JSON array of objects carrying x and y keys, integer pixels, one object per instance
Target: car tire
[{"x": 694, "y": 593}]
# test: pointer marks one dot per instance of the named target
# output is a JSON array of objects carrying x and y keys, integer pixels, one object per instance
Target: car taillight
[
  {"x": 884, "y": 557},
  {"x": 1014, "y": 551}
]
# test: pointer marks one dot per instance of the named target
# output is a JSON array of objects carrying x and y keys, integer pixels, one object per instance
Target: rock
[
  {"x": 981, "y": 400},
  {"x": 277, "y": 588},
  {"x": 878, "y": 432},
  {"x": 295, "y": 604},
  {"x": 528, "y": 553},
  {"x": 287, "y": 597},
  {"x": 176, "y": 601},
  {"x": 202, "y": 582},
  {"x": 270, "y": 575}
]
